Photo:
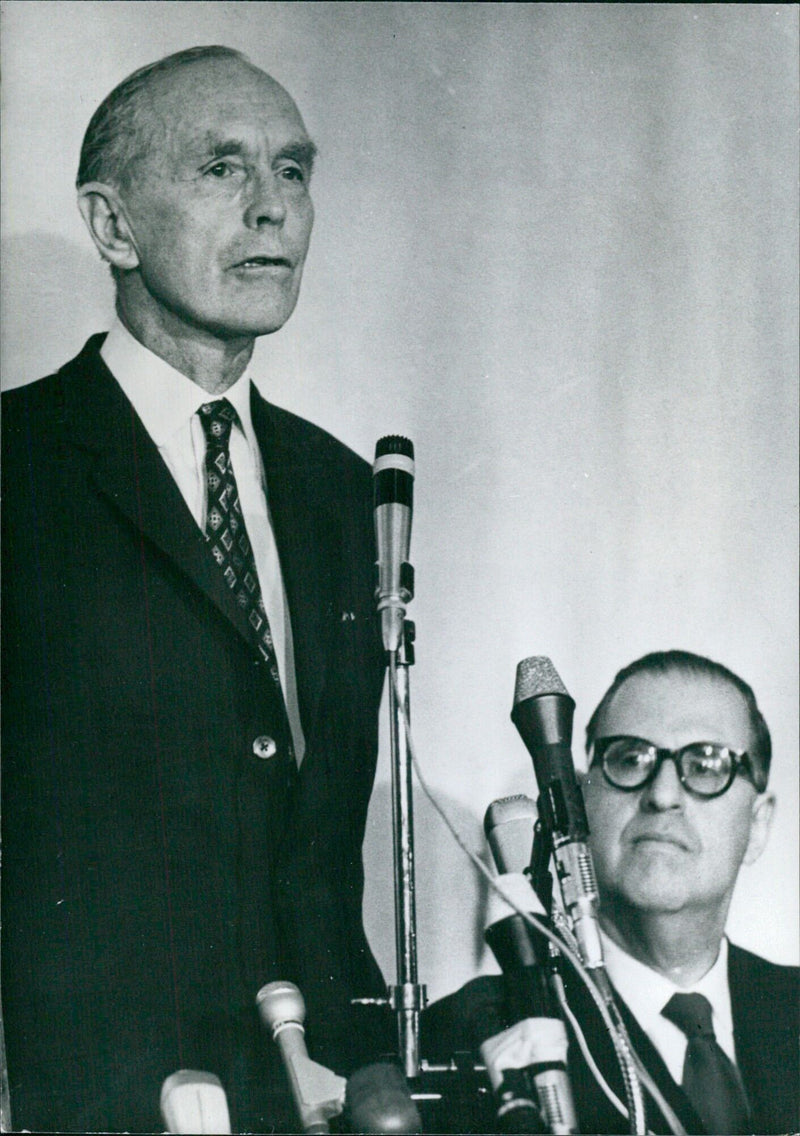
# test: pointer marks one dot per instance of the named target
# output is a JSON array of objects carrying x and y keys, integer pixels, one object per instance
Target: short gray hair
[{"x": 119, "y": 132}]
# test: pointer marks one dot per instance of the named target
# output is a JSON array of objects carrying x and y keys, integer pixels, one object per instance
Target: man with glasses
[
  {"x": 679, "y": 758},
  {"x": 676, "y": 798}
]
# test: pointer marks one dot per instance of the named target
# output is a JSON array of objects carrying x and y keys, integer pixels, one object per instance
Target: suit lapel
[
  {"x": 129, "y": 471},
  {"x": 759, "y": 1060},
  {"x": 308, "y": 534},
  {"x": 673, "y": 1093}
]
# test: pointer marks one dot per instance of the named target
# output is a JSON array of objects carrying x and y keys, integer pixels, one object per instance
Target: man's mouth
[
  {"x": 264, "y": 262},
  {"x": 660, "y": 838}
]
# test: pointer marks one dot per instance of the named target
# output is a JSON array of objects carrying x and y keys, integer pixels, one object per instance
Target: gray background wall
[{"x": 556, "y": 245}]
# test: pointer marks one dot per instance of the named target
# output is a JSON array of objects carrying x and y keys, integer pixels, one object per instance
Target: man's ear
[
  {"x": 760, "y": 825},
  {"x": 104, "y": 214}
]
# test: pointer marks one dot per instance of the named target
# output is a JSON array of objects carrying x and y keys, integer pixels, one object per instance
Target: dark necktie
[
  {"x": 225, "y": 527},
  {"x": 710, "y": 1079}
]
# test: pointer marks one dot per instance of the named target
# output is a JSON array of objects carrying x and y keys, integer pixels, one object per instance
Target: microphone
[
  {"x": 393, "y": 484},
  {"x": 508, "y": 826},
  {"x": 378, "y": 1100},
  {"x": 527, "y": 1064},
  {"x": 318, "y": 1093},
  {"x": 192, "y": 1101},
  {"x": 543, "y": 714}
]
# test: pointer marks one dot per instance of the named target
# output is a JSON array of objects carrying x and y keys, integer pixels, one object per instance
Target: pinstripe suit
[{"x": 157, "y": 868}]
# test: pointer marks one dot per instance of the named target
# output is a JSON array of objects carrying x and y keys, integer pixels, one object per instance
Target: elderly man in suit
[
  {"x": 676, "y": 797},
  {"x": 192, "y": 667}
]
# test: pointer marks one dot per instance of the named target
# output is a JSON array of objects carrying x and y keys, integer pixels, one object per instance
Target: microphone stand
[
  {"x": 393, "y": 473},
  {"x": 550, "y": 839},
  {"x": 459, "y": 1084},
  {"x": 407, "y": 998},
  {"x": 393, "y": 489}
]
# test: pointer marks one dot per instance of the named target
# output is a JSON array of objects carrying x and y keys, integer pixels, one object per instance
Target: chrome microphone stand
[
  {"x": 458, "y": 1085},
  {"x": 407, "y": 997},
  {"x": 393, "y": 481},
  {"x": 456, "y": 1082}
]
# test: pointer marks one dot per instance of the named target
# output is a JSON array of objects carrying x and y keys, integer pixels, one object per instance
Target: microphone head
[
  {"x": 542, "y": 712},
  {"x": 194, "y": 1101},
  {"x": 508, "y": 825},
  {"x": 378, "y": 1100},
  {"x": 393, "y": 500},
  {"x": 394, "y": 444},
  {"x": 537, "y": 676},
  {"x": 280, "y": 1002},
  {"x": 394, "y": 469}
]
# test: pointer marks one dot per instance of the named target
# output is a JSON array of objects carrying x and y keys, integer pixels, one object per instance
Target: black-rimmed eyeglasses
[{"x": 705, "y": 769}]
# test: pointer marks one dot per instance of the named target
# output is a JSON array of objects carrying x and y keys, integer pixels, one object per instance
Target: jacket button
[{"x": 264, "y": 746}]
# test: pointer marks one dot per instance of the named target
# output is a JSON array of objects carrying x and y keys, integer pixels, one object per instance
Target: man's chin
[
  {"x": 263, "y": 321},
  {"x": 260, "y": 310},
  {"x": 656, "y": 892},
  {"x": 245, "y": 317},
  {"x": 250, "y": 326}
]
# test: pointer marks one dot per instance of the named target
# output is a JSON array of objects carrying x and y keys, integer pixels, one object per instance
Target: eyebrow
[
  {"x": 218, "y": 148},
  {"x": 301, "y": 152}
]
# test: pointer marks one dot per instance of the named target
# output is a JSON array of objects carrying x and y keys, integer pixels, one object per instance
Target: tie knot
[
  {"x": 217, "y": 418},
  {"x": 691, "y": 1013}
]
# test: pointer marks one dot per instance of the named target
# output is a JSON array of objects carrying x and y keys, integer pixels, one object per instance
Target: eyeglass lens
[{"x": 703, "y": 767}]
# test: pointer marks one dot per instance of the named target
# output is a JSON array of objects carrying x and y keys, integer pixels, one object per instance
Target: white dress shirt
[
  {"x": 167, "y": 403},
  {"x": 646, "y": 993}
]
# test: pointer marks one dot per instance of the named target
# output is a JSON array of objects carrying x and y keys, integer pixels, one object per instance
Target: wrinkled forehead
[
  {"x": 218, "y": 97},
  {"x": 674, "y": 708}
]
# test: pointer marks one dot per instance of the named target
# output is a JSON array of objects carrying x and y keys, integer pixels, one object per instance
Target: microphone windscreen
[
  {"x": 393, "y": 471},
  {"x": 509, "y": 824},
  {"x": 394, "y": 444},
  {"x": 537, "y": 676},
  {"x": 377, "y": 1099},
  {"x": 194, "y": 1101},
  {"x": 280, "y": 1002}
]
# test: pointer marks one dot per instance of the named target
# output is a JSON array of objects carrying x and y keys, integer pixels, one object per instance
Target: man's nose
[
  {"x": 266, "y": 204},
  {"x": 665, "y": 790}
]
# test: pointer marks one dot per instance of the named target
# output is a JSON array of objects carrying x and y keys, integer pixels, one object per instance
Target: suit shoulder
[
  {"x": 29, "y": 420},
  {"x": 30, "y": 396},
  {"x": 763, "y": 980},
  {"x": 42, "y": 399},
  {"x": 315, "y": 442},
  {"x": 754, "y": 964}
]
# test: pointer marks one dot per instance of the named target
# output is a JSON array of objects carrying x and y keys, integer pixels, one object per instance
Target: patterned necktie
[
  {"x": 710, "y": 1079},
  {"x": 225, "y": 527}
]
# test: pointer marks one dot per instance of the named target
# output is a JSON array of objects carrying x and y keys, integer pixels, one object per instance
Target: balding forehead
[
  {"x": 132, "y": 127},
  {"x": 223, "y": 79},
  {"x": 676, "y": 702},
  {"x": 206, "y": 104}
]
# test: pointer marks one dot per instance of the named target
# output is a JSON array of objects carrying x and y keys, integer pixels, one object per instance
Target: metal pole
[{"x": 407, "y": 997}]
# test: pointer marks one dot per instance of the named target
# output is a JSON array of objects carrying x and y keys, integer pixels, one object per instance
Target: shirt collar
[
  {"x": 164, "y": 399},
  {"x": 646, "y": 992}
]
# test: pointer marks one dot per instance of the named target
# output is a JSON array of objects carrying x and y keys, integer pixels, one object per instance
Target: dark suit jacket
[
  {"x": 764, "y": 1000},
  {"x": 156, "y": 871}
]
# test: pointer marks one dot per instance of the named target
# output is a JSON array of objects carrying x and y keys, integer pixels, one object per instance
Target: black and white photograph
[{"x": 399, "y": 493}]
